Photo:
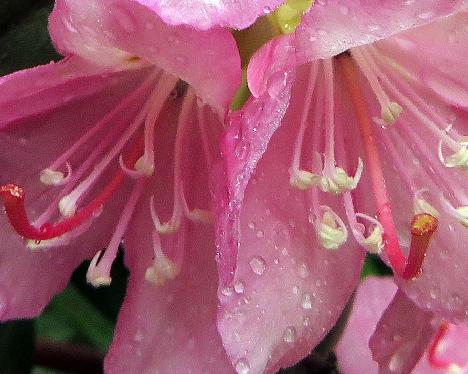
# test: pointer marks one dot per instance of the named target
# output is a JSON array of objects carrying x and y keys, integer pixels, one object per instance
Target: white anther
[
  {"x": 461, "y": 214},
  {"x": 51, "y": 177},
  {"x": 420, "y": 205},
  {"x": 391, "y": 112},
  {"x": 340, "y": 181},
  {"x": 132, "y": 173},
  {"x": 162, "y": 270},
  {"x": 374, "y": 241},
  {"x": 331, "y": 230},
  {"x": 195, "y": 215},
  {"x": 455, "y": 369},
  {"x": 303, "y": 179},
  {"x": 459, "y": 159},
  {"x": 94, "y": 276},
  {"x": 67, "y": 206},
  {"x": 144, "y": 166},
  {"x": 168, "y": 227}
]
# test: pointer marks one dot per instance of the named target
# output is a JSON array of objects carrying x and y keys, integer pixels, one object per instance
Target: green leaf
[
  {"x": 16, "y": 346},
  {"x": 374, "y": 266},
  {"x": 71, "y": 317}
]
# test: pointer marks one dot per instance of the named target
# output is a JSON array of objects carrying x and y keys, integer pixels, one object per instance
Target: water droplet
[
  {"x": 307, "y": 321},
  {"x": 226, "y": 291},
  {"x": 295, "y": 290},
  {"x": 242, "y": 366},
  {"x": 395, "y": 364},
  {"x": 267, "y": 10},
  {"x": 289, "y": 335},
  {"x": 306, "y": 301},
  {"x": 239, "y": 287},
  {"x": 277, "y": 85},
  {"x": 252, "y": 225},
  {"x": 260, "y": 234},
  {"x": 258, "y": 265},
  {"x": 426, "y": 15},
  {"x": 303, "y": 271}
]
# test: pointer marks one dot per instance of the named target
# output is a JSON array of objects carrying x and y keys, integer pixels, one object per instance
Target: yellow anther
[
  {"x": 391, "y": 112},
  {"x": 331, "y": 234}
]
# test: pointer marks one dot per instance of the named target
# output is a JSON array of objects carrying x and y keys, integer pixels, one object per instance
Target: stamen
[
  {"x": 408, "y": 103},
  {"x": 423, "y": 226},
  {"x": 104, "y": 121},
  {"x": 196, "y": 215},
  {"x": 435, "y": 361},
  {"x": 68, "y": 203},
  {"x": 331, "y": 230},
  {"x": 146, "y": 163},
  {"x": 13, "y": 199},
  {"x": 51, "y": 177},
  {"x": 421, "y": 205},
  {"x": 390, "y": 111},
  {"x": 99, "y": 271},
  {"x": 374, "y": 241},
  {"x": 163, "y": 268},
  {"x": 458, "y": 159},
  {"x": 174, "y": 222},
  {"x": 300, "y": 178}
]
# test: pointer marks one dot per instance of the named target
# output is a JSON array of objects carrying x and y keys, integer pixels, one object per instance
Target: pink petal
[
  {"x": 401, "y": 336},
  {"x": 286, "y": 291},
  {"x": 172, "y": 328},
  {"x": 334, "y": 26},
  {"x": 269, "y": 62},
  {"x": 439, "y": 59},
  {"x": 371, "y": 299},
  {"x": 28, "y": 280},
  {"x": 204, "y": 14},
  {"x": 55, "y": 84},
  {"x": 108, "y": 33},
  {"x": 243, "y": 145}
]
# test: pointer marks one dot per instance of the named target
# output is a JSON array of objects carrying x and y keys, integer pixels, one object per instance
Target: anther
[
  {"x": 374, "y": 241},
  {"x": 331, "y": 230},
  {"x": 95, "y": 277},
  {"x": 458, "y": 159},
  {"x": 163, "y": 268},
  {"x": 51, "y": 177},
  {"x": 391, "y": 112}
]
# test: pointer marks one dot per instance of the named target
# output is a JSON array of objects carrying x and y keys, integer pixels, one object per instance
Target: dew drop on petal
[
  {"x": 242, "y": 366},
  {"x": 239, "y": 287},
  {"x": 289, "y": 335},
  {"x": 258, "y": 265},
  {"x": 306, "y": 301},
  {"x": 260, "y": 234},
  {"x": 226, "y": 291}
]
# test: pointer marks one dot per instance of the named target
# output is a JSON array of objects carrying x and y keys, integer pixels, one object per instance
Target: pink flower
[
  {"x": 406, "y": 339},
  {"x": 309, "y": 171},
  {"x": 204, "y": 14},
  {"x": 110, "y": 143}
]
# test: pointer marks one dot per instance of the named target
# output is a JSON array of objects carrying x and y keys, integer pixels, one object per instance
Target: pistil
[{"x": 423, "y": 226}]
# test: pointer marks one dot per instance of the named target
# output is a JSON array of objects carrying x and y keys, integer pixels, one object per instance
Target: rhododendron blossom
[
  {"x": 355, "y": 140},
  {"x": 411, "y": 340},
  {"x": 116, "y": 141}
]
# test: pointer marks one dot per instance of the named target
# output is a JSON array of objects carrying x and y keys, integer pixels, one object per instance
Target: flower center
[{"x": 108, "y": 140}]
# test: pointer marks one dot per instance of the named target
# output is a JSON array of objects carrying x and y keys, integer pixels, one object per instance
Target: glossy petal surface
[
  {"x": 204, "y": 14},
  {"x": 124, "y": 33}
]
